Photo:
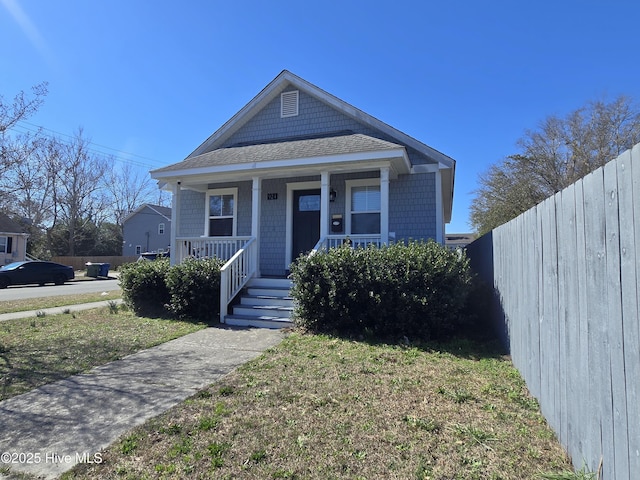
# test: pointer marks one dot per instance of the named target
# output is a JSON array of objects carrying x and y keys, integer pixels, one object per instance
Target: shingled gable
[{"x": 216, "y": 158}]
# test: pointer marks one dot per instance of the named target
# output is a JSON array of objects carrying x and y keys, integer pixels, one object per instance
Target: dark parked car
[{"x": 24, "y": 273}]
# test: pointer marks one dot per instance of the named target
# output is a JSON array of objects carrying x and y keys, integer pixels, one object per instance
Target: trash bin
[
  {"x": 93, "y": 269},
  {"x": 104, "y": 269}
]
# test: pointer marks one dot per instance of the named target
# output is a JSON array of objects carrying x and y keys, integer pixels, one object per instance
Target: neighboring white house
[
  {"x": 146, "y": 229},
  {"x": 13, "y": 241}
]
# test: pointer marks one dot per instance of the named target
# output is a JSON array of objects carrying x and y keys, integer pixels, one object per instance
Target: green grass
[
  {"x": 39, "y": 350},
  {"x": 318, "y": 407},
  {"x": 10, "y": 306}
]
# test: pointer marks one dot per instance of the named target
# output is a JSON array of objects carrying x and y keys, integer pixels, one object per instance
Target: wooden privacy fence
[
  {"x": 565, "y": 276},
  {"x": 79, "y": 263}
]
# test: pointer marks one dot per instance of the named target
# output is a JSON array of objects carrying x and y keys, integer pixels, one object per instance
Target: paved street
[{"x": 20, "y": 292}]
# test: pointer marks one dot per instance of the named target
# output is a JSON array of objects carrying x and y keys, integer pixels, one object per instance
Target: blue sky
[{"x": 150, "y": 80}]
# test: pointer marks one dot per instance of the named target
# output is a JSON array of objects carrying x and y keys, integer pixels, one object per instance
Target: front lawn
[
  {"x": 318, "y": 407},
  {"x": 39, "y": 350},
  {"x": 10, "y": 306}
]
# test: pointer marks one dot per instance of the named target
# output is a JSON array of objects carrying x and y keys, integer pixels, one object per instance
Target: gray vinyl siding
[
  {"x": 194, "y": 204},
  {"x": 412, "y": 207},
  {"x": 315, "y": 117},
  {"x": 192, "y": 211},
  {"x": 273, "y": 226},
  {"x": 134, "y": 232}
]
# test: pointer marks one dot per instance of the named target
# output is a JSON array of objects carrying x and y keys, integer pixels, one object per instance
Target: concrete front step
[
  {"x": 257, "y": 300},
  {"x": 258, "y": 322},
  {"x": 268, "y": 291},
  {"x": 263, "y": 309},
  {"x": 267, "y": 303}
]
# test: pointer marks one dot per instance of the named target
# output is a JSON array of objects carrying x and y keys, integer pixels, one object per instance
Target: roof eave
[{"x": 397, "y": 158}]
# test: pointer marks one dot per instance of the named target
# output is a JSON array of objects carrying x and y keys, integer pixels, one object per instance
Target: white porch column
[
  {"x": 176, "y": 201},
  {"x": 324, "y": 204},
  {"x": 384, "y": 205},
  {"x": 256, "y": 195}
]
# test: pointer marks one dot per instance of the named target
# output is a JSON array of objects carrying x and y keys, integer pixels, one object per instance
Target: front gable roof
[
  {"x": 287, "y": 80},
  {"x": 161, "y": 211}
]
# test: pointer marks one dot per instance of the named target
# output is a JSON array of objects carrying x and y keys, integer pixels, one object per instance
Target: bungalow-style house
[
  {"x": 13, "y": 241},
  {"x": 297, "y": 170},
  {"x": 146, "y": 229}
]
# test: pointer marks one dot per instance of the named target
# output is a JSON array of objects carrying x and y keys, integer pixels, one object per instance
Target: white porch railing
[
  {"x": 236, "y": 273},
  {"x": 208, "y": 247},
  {"x": 355, "y": 241}
]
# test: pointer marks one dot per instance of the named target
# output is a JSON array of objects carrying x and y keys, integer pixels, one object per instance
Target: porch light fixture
[{"x": 332, "y": 195}]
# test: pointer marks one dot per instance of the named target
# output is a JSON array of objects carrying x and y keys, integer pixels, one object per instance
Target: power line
[{"x": 32, "y": 128}]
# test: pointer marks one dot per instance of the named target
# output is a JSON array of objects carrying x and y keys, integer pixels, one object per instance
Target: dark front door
[{"x": 306, "y": 221}]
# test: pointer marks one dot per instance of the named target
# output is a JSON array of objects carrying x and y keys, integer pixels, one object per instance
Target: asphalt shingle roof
[
  {"x": 337, "y": 144},
  {"x": 9, "y": 226}
]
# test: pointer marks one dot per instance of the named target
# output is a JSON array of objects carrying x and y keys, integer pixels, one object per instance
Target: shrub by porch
[
  {"x": 417, "y": 290},
  {"x": 189, "y": 290}
]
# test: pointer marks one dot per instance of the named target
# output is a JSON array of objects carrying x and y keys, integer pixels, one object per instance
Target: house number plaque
[{"x": 272, "y": 196}]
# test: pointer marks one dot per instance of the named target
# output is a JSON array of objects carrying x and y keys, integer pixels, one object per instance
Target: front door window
[{"x": 306, "y": 221}]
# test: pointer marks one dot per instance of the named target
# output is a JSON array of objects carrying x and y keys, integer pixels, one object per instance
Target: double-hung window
[
  {"x": 363, "y": 206},
  {"x": 5, "y": 244},
  {"x": 221, "y": 212}
]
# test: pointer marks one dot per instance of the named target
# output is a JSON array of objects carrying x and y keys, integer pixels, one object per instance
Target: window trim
[
  {"x": 3, "y": 245},
  {"x": 362, "y": 182},
  {"x": 161, "y": 228},
  {"x": 138, "y": 250},
  {"x": 221, "y": 191}
]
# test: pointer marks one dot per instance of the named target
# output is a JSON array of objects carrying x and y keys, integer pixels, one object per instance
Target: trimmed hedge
[
  {"x": 190, "y": 290},
  {"x": 194, "y": 287},
  {"x": 417, "y": 290},
  {"x": 144, "y": 288}
]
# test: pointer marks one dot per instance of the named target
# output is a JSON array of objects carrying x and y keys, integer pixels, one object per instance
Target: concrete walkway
[
  {"x": 57, "y": 310},
  {"x": 58, "y": 425}
]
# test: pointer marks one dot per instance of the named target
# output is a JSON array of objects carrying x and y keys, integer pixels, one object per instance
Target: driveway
[{"x": 57, "y": 425}]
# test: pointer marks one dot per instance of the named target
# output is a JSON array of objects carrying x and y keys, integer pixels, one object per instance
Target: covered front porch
[{"x": 279, "y": 218}]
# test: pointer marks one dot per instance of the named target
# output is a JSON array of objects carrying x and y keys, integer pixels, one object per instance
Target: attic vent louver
[{"x": 289, "y": 104}]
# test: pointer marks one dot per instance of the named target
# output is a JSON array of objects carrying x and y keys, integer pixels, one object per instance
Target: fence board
[
  {"x": 565, "y": 225},
  {"x": 570, "y": 303},
  {"x": 533, "y": 304},
  {"x": 628, "y": 200},
  {"x": 79, "y": 263},
  {"x": 597, "y": 314},
  {"x": 614, "y": 324}
]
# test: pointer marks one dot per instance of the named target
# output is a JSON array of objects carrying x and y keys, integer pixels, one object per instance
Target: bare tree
[
  {"x": 13, "y": 148},
  {"x": 21, "y": 107},
  {"x": 128, "y": 188},
  {"x": 552, "y": 157},
  {"x": 77, "y": 187}
]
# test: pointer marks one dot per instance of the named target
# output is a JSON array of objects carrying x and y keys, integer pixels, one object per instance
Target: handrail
[{"x": 236, "y": 273}]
